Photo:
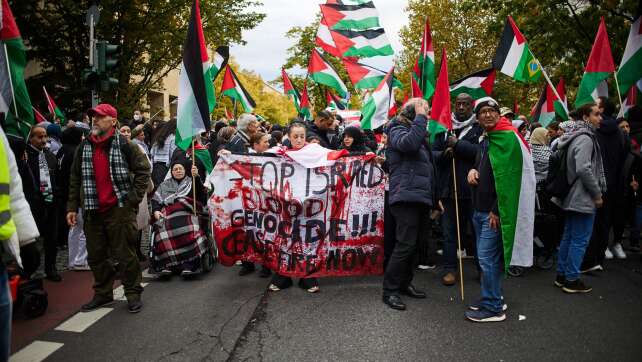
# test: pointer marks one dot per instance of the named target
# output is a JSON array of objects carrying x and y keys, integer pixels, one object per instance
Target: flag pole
[
  {"x": 461, "y": 267},
  {"x": 548, "y": 80},
  {"x": 13, "y": 95},
  {"x": 193, "y": 177},
  {"x": 617, "y": 86}
]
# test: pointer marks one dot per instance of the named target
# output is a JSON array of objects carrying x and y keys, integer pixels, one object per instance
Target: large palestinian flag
[
  {"x": 514, "y": 175},
  {"x": 196, "y": 90},
  {"x": 351, "y": 17},
  {"x": 477, "y": 85},
  {"x": 423, "y": 73},
  {"x": 14, "y": 98},
  {"x": 630, "y": 70},
  {"x": 376, "y": 108},
  {"x": 440, "y": 115},
  {"x": 513, "y": 57},
  {"x": 362, "y": 43},
  {"x": 323, "y": 73},
  {"x": 233, "y": 88},
  {"x": 599, "y": 67}
]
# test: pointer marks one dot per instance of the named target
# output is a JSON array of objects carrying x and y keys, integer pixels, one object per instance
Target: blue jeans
[
  {"x": 577, "y": 233},
  {"x": 5, "y": 315},
  {"x": 489, "y": 253}
]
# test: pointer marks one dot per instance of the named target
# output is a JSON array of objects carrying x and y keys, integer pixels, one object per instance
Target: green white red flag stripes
[
  {"x": 599, "y": 67},
  {"x": 322, "y": 72},
  {"x": 423, "y": 73},
  {"x": 351, "y": 17},
  {"x": 14, "y": 98},
  {"x": 633, "y": 98},
  {"x": 221, "y": 57},
  {"x": 364, "y": 76},
  {"x": 196, "y": 91},
  {"x": 513, "y": 57},
  {"x": 514, "y": 175},
  {"x": 54, "y": 111},
  {"x": 325, "y": 41},
  {"x": 289, "y": 90},
  {"x": 549, "y": 106},
  {"x": 335, "y": 102},
  {"x": 440, "y": 114},
  {"x": 561, "y": 104},
  {"x": 375, "y": 110},
  {"x": 233, "y": 88},
  {"x": 630, "y": 70},
  {"x": 477, "y": 85},
  {"x": 305, "y": 110},
  {"x": 362, "y": 43}
]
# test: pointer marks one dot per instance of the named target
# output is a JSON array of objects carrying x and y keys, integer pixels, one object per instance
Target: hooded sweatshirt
[{"x": 613, "y": 146}]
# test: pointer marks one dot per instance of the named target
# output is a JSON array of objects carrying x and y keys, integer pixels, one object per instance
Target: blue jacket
[
  {"x": 412, "y": 175},
  {"x": 465, "y": 151}
]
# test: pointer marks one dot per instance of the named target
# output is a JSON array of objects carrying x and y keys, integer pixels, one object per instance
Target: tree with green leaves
[{"x": 150, "y": 34}]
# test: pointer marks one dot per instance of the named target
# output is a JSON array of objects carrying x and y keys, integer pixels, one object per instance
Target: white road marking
[
  {"x": 83, "y": 320},
  {"x": 35, "y": 352},
  {"x": 147, "y": 275}
]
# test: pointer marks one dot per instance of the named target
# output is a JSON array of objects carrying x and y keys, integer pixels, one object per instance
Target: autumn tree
[{"x": 150, "y": 32}]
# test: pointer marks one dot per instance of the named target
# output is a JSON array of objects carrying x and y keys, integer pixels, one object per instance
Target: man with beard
[
  {"x": 462, "y": 145},
  {"x": 109, "y": 177}
]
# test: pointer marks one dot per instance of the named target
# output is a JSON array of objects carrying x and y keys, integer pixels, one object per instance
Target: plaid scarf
[
  {"x": 118, "y": 171},
  {"x": 580, "y": 127}
]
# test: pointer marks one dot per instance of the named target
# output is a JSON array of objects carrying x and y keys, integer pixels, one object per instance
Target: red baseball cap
[{"x": 103, "y": 109}]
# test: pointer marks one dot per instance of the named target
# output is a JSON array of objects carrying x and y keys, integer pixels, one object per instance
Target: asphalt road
[{"x": 225, "y": 317}]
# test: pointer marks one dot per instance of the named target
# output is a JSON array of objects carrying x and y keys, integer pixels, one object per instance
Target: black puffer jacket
[
  {"x": 614, "y": 149},
  {"x": 324, "y": 136},
  {"x": 412, "y": 175}
]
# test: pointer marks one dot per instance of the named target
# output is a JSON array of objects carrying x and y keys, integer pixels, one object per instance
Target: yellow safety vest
[{"x": 7, "y": 226}]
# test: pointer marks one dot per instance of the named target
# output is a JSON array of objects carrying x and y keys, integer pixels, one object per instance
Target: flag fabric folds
[
  {"x": 289, "y": 90},
  {"x": 440, "y": 114},
  {"x": 305, "y": 110},
  {"x": 513, "y": 57},
  {"x": 351, "y": 16},
  {"x": 221, "y": 57},
  {"x": 376, "y": 108},
  {"x": 54, "y": 110},
  {"x": 323, "y": 73},
  {"x": 599, "y": 67},
  {"x": 630, "y": 70},
  {"x": 477, "y": 85},
  {"x": 549, "y": 106},
  {"x": 423, "y": 72},
  {"x": 14, "y": 98},
  {"x": 196, "y": 90},
  {"x": 335, "y": 102},
  {"x": 364, "y": 76},
  {"x": 233, "y": 88}
]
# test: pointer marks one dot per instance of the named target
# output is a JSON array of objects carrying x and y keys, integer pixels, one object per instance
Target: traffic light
[{"x": 107, "y": 62}]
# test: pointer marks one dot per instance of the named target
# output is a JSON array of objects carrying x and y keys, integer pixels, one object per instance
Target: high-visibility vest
[{"x": 7, "y": 226}]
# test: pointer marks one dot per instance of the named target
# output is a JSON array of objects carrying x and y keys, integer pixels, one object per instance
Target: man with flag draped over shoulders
[{"x": 503, "y": 187}]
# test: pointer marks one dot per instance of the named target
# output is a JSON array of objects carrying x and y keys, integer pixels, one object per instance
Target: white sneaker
[
  {"x": 440, "y": 251},
  {"x": 607, "y": 254},
  {"x": 618, "y": 251}
]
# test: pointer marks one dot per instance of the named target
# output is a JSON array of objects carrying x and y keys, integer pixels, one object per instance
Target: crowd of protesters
[{"x": 95, "y": 185}]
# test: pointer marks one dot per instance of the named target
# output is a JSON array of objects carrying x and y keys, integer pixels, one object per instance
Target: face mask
[{"x": 137, "y": 117}]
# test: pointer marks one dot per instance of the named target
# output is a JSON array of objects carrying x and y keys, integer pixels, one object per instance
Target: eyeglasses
[{"x": 488, "y": 111}]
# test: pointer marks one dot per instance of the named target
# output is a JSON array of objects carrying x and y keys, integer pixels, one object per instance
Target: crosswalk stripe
[
  {"x": 83, "y": 320},
  {"x": 35, "y": 352}
]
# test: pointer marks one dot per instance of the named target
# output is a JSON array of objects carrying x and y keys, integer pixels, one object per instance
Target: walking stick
[{"x": 461, "y": 267}]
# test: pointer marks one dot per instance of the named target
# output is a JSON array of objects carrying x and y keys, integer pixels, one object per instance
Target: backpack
[{"x": 556, "y": 183}]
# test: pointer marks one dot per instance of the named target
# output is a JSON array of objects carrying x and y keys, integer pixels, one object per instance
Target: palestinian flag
[
  {"x": 290, "y": 91},
  {"x": 351, "y": 17},
  {"x": 362, "y": 43},
  {"x": 228, "y": 114},
  {"x": 365, "y": 77},
  {"x": 631, "y": 66},
  {"x": 221, "y": 57},
  {"x": 514, "y": 175},
  {"x": 415, "y": 90},
  {"x": 561, "y": 105},
  {"x": 305, "y": 110},
  {"x": 549, "y": 106},
  {"x": 313, "y": 155},
  {"x": 54, "y": 110},
  {"x": 39, "y": 117},
  {"x": 440, "y": 114},
  {"x": 477, "y": 85},
  {"x": 324, "y": 39},
  {"x": 335, "y": 102},
  {"x": 323, "y": 73},
  {"x": 423, "y": 73},
  {"x": 196, "y": 91},
  {"x": 513, "y": 57},
  {"x": 376, "y": 108},
  {"x": 633, "y": 97},
  {"x": 14, "y": 98},
  {"x": 202, "y": 153},
  {"x": 233, "y": 88},
  {"x": 599, "y": 67}
]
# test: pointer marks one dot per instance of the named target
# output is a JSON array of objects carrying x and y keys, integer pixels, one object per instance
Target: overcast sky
[{"x": 266, "y": 48}]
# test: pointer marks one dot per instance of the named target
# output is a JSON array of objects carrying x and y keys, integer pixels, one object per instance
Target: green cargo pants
[{"x": 111, "y": 235}]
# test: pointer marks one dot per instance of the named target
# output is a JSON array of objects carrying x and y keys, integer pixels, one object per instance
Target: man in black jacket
[
  {"x": 246, "y": 126},
  {"x": 44, "y": 167},
  {"x": 462, "y": 146},
  {"x": 324, "y": 128},
  {"x": 411, "y": 195}
]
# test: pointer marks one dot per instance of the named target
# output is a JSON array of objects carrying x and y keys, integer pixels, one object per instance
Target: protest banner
[{"x": 298, "y": 221}]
